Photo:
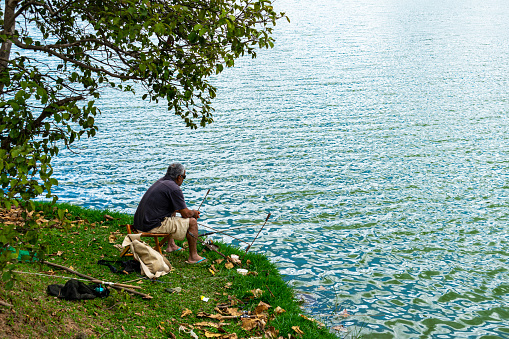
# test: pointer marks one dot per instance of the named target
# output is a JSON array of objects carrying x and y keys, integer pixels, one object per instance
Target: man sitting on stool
[{"x": 157, "y": 210}]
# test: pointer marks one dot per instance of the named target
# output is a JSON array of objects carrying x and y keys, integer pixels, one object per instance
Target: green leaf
[
  {"x": 192, "y": 37},
  {"x": 7, "y": 276},
  {"x": 9, "y": 285}
]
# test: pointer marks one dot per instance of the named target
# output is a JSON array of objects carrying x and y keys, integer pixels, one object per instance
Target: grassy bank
[{"x": 259, "y": 304}]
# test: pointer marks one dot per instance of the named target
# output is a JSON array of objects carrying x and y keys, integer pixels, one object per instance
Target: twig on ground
[
  {"x": 270, "y": 290},
  {"x": 3, "y": 303}
]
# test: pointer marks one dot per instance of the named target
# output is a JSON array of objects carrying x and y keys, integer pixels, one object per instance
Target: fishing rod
[
  {"x": 203, "y": 199},
  {"x": 247, "y": 248}
]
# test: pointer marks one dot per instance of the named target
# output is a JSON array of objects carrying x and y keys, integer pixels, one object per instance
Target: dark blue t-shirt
[{"x": 160, "y": 201}]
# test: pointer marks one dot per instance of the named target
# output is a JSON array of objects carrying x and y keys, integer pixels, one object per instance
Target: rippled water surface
[{"x": 376, "y": 132}]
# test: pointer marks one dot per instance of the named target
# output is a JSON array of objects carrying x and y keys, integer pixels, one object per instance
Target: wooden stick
[
  {"x": 3, "y": 303},
  {"x": 268, "y": 216},
  {"x": 270, "y": 290},
  {"x": 94, "y": 281},
  {"x": 115, "y": 286}
]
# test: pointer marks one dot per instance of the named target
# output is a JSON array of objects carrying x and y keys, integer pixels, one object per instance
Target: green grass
[{"x": 35, "y": 314}]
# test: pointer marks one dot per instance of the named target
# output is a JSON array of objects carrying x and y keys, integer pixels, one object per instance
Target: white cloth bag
[{"x": 152, "y": 263}]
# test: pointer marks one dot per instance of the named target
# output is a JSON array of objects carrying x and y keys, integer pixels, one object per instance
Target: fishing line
[{"x": 205, "y": 234}]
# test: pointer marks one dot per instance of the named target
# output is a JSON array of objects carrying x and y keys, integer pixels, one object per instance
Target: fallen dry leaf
[
  {"x": 208, "y": 324},
  {"x": 211, "y": 316},
  {"x": 112, "y": 239},
  {"x": 59, "y": 253},
  {"x": 212, "y": 335},
  {"x": 305, "y": 317},
  {"x": 186, "y": 312},
  {"x": 279, "y": 310},
  {"x": 212, "y": 272},
  {"x": 297, "y": 330},
  {"x": 235, "y": 259},
  {"x": 262, "y": 307},
  {"x": 257, "y": 293},
  {"x": 271, "y": 333},
  {"x": 248, "y": 324},
  {"x": 218, "y": 261},
  {"x": 234, "y": 312},
  {"x": 228, "y": 265}
]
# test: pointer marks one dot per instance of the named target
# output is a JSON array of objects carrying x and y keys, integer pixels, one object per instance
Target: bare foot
[
  {"x": 173, "y": 248},
  {"x": 189, "y": 261}
]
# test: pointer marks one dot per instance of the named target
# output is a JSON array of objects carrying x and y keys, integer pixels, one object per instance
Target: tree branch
[
  {"x": 49, "y": 109},
  {"x": 72, "y": 61}
]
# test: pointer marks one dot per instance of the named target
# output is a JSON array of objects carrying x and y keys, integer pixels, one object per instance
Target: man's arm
[{"x": 187, "y": 213}]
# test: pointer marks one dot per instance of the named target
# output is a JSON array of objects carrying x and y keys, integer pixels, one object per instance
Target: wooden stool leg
[
  {"x": 165, "y": 239},
  {"x": 158, "y": 248},
  {"x": 124, "y": 251}
]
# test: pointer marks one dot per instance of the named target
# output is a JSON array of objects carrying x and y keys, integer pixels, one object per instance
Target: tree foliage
[{"x": 58, "y": 56}]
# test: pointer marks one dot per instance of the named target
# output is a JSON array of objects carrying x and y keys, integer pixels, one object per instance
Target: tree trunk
[{"x": 8, "y": 29}]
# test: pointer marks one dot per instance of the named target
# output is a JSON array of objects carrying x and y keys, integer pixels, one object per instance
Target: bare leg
[{"x": 193, "y": 229}]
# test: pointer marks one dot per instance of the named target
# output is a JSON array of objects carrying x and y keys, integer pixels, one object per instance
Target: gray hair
[{"x": 174, "y": 170}]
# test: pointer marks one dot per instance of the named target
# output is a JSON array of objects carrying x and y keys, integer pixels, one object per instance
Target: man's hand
[{"x": 187, "y": 213}]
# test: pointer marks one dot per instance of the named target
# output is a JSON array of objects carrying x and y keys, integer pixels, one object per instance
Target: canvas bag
[{"x": 152, "y": 263}]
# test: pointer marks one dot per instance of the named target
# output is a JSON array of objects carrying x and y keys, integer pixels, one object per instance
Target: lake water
[{"x": 376, "y": 132}]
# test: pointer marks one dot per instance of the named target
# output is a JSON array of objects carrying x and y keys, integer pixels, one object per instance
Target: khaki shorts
[{"x": 176, "y": 226}]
